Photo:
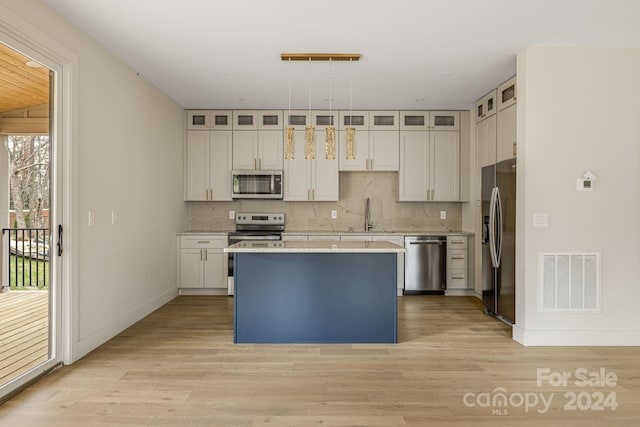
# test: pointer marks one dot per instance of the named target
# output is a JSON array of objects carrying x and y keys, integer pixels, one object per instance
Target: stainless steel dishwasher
[{"x": 425, "y": 264}]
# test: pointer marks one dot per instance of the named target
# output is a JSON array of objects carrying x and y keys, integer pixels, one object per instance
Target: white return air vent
[{"x": 569, "y": 282}]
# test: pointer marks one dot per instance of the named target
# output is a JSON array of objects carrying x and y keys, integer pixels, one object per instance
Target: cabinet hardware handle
[
  {"x": 259, "y": 163},
  {"x": 515, "y": 98},
  {"x": 457, "y": 277},
  {"x": 457, "y": 242},
  {"x": 457, "y": 257},
  {"x": 206, "y": 255},
  {"x": 204, "y": 241},
  {"x": 200, "y": 254}
]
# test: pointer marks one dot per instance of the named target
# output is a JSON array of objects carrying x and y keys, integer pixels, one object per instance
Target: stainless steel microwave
[{"x": 256, "y": 184}]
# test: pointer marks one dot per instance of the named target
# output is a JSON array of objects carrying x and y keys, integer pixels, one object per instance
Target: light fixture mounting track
[{"x": 320, "y": 56}]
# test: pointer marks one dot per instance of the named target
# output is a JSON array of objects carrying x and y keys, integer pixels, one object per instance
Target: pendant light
[
  {"x": 330, "y": 131},
  {"x": 289, "y": 147},
  {"x": 351, "y": 131},
  {"x": 309, "y": 143}
]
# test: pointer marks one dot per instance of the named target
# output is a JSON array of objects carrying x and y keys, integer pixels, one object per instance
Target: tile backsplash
[{"x": 387, "y": 214}]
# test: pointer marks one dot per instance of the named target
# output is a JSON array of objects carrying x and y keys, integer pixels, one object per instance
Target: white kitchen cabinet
[
  {"x": 297, "y": 119},
  {"x": 507, "y": 95},
  {"x": 310, "y": 179},
  {"x": 457, "y": 263},
  {"x": 209, "y": 120},
  {"x": 376, "y": 142},
  {"x": 486, "y": 106},
  {"x": 257, "y": 149},
  {"x": 506, "y": 130},
  {"x": 486, "y": 141},
  {"x": 429, "y": 120},
  {"x": 429, "y": 166},
  {"x": 208, "y": 166},
  {"x": 203, "y": 263},
  {"x": 270, "y": 120},
  {"x": 245, "y": 119}
]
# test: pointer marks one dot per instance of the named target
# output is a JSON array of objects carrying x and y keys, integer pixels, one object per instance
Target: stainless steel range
[{"x": 254, "y": 226}]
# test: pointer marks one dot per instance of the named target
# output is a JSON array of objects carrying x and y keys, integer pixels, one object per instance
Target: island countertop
[{"x": 315, "y": 246}]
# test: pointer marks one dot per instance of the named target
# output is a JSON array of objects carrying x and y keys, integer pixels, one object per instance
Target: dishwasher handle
[{"x": 428, "y": 242}]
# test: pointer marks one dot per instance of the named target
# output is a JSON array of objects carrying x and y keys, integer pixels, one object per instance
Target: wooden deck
[{"x": 24, "y": 336}]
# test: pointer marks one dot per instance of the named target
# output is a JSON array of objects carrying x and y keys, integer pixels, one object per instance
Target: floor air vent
[{"x": 569, "y": 282}]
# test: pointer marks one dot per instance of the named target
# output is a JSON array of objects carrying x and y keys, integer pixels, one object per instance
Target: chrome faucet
[{"x": 368, "y": 225}]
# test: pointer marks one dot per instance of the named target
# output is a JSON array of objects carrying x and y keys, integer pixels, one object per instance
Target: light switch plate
[
  {"x": 91, "y": 220},
  {"x": 334, "y": 214},
  {"x": 540, "y": 220},
  {"x": 232, "y": 214},
  {"x": 443, "y": 214}
]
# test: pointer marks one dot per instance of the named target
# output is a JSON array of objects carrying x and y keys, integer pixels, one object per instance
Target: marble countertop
[
  {"x": 316, "y": 246},
  {"x": 350, "y": 233}
]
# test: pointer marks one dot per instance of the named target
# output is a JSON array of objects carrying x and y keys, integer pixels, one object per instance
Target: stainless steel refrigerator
[{"x": 499, "y": 240}]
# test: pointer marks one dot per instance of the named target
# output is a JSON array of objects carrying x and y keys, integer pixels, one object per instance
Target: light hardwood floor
[{"x": 179, "y": 366}]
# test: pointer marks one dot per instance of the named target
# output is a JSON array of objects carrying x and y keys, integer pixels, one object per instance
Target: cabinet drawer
[
  {"x": 456, "y": 279},
  {"x": 291, "y": 237},
  {"x": 196, "y": 242},
  {"x": 457, "y": 259},
  {"x": 456, "y": 242}
]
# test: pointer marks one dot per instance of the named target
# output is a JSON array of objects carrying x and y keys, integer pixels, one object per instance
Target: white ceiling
[{"x": 416, "y": 54}]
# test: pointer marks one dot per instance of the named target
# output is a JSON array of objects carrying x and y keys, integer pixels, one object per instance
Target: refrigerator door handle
[
  {"x": 499, "y": 231},
  {"x": 492, "y": 227}
]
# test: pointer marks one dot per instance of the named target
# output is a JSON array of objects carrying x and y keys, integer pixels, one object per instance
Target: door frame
[{"x": 32, "y": 42}]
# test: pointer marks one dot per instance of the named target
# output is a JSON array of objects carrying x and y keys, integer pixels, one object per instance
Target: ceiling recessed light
[
  {"x": 33, "y": 64},
  {"x": 444, "y": 75},
  {"x": 221, "y": 74}
]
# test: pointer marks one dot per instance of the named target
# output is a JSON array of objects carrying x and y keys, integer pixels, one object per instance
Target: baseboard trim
[
  {"x": 220, "y": 291},
  {"x": 122, "y": 322},
  {"x": 618, "y": 338}
]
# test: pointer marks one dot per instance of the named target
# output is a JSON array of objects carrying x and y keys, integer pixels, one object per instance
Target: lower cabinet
[
  {"x": 457, "y": 263},
  {"x": 202, "y": 262}
]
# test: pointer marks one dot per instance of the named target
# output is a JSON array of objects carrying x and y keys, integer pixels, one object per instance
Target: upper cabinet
[
  {"x": 257, "y": 139},
  {"x": 486, "y": 106},
  {"x": 376, "y": 141},
  {"x": 507, "y": 95},
  {"x": 209, "y": 120},
  {"x": 429, "y": 120},
  {"x": 297, "y": 119},
  {"x": 208, "y": 168}
]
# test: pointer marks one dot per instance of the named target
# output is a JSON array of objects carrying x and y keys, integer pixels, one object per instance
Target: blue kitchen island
[{"x": 315, "y": 292}]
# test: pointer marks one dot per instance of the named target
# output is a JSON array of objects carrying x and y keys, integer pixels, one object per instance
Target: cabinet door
[
  {"x": 360, "y": 148},
  {"x": 355, "y": 119},
  {"x": 384, "y": 150},
  {"x": 245, "y": 149},
  {"x": 245, "y": 120},
  {"x": 221, "y": 119},
  {"x": 197, "y": 168},
  {"x": 486, "y": 106},
  {"x": 414, "y": 120},
  {"x": 191, "y": 270},
  {"x": 198, "y": 120},
  {"x": 270, "y": 120},
  {"x": 383, "y": 120},
  {"x": 507, "y": 94},
  {"x": 220, "y": 147},
  {"x": 297, "y": 119},
  {"x": 445, "y": 166},
  {"x": 486, "y": 141},
  {"x": 323, "y": 119},
  {"x": 324, "y": 173},
  {"x": 270, "y": 149},
  {"x": 506, "y": 145},
  {"x": 414, "y": 158},
  {"x": 215, "y": 269},
  {"x": 297, "y": 175},
  {"x": 444, "y": 120}
]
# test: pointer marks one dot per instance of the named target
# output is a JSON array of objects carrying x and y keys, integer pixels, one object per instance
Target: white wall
[
  {"x": 126, "y": 155},
  {"x": 578, "y": 110}
]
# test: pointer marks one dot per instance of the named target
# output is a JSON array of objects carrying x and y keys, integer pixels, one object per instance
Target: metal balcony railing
[{"x": 25, "y": 258}]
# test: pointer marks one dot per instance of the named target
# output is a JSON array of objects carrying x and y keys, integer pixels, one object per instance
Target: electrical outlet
[
  {"x": 334, "y": 214},
  {"x": 91, "y": 219},
  {"x": 232, "y": 214},
  {"x": 443, "y": 214},
  {"x": 114, "y": 217}
]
